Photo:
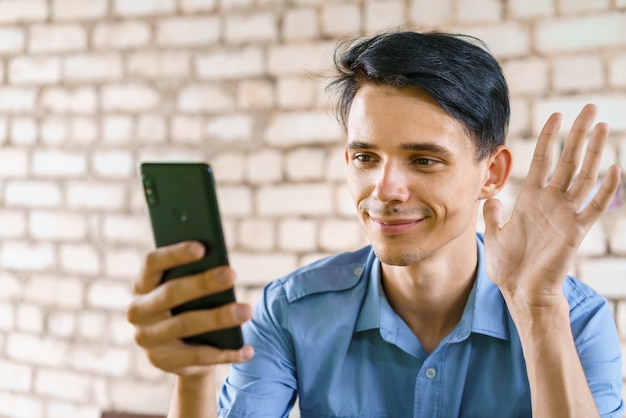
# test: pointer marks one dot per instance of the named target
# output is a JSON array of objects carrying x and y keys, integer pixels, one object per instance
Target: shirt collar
[{"x": 485, "y": 311}]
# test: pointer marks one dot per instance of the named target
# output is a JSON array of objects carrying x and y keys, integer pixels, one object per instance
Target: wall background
[{"x": 91, "y": 87}]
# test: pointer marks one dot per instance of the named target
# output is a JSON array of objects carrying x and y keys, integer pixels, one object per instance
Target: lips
[{"x": 394, "y": 226}]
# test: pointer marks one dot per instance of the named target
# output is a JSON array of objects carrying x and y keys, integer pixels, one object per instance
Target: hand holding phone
[{"x": 183, "y": 206}]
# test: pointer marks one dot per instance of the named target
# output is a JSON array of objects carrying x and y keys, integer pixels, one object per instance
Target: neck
[{"x": 430, "y": 296}]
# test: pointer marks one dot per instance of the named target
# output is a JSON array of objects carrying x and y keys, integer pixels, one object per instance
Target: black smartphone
[{"x": 183, "y": 206}]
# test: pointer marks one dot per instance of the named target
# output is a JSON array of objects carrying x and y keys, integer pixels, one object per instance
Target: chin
[{"x": 398, "y": 257}]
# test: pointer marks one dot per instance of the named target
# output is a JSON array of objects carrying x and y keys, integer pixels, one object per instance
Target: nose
[{"x": 392, "y": 185}]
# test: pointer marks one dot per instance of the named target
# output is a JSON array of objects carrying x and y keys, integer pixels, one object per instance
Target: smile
[{"x": 394, "y": 226}]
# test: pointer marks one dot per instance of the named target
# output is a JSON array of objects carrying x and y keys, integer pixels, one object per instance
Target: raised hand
[{"x": 529, "y": 256}]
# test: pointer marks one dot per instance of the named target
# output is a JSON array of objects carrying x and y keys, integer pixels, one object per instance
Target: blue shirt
[{"x": 327, "y": 334}]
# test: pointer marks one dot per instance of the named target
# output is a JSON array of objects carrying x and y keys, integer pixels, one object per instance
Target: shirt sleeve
[
  {"x": 265, "y": 386},
  {"x": 598, "y": 346}
]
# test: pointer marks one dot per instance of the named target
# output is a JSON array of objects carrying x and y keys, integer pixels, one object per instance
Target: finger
[
  {"x": 178, "y": 356},
  {"x": 192, "y": 323},
  {"x": 570, "y": 156},
  {"x": 493, "y": 212},
  {"x": 586, "y": 178},
  {"x": 601, "y": 200},
  {"x": 176, "y": 292},
  {"x": 165, "y": 258},
  {"x": 542, "y": 157}
]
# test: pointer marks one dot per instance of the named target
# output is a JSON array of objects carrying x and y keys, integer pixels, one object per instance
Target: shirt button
[
  {"x": 358, "y": 271},
  {"x": 431, "y": 373}
]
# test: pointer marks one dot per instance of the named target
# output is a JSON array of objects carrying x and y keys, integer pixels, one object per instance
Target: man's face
[{"x": 412, "y": 174}]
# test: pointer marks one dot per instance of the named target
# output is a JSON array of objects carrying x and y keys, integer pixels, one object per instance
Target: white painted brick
[
  {"x": 27, "y": 257},
  {"x": 571, "y": 34},
  {"x": 481, "y": 11},
  {"x": 79, "y": 9},
  {"x": 504, "y": 40},
  {"x": 344, "y": 204},
  {"x": 382, "y": 15},
  {"x": 143, "y": 7},
  {"x": 56, "y": 163},
  {"x": 265, "y": 166},
  {"x": 235, "y": 4},
  {"x": 7, "y": 319},
  {"x": 57, "y": 409},
  {"x": 578, "y": 6},
  {"x": 256, "y": 235},
  {"x": 122, "y": 262},
  {"x": 527, "y": 76},
  {"x": 116, "y": 164},
  {"x": 299, "y": 128},
  {"x": 92, "y": 325},
  {"x": 162, "y": 64},
  {"x": 430, "y": 14},
  {"x": 610, "y": 110},
  {"x": 617, "y": 70},
  {"x": 20, "y": 406},
  {"x": 81, "y": 100},
  {"x": 531, "y": 8},
  {"x": 191, "y": 6},
  {"x": 151, "y": 128},
  {"x": 121, "y": 35},
  {"x": 92, "y": 68},
  {"x": 109, "y": 294},
  {"x": 205, "y": 98},
  {"x": 305, "y": 164},
  {"x": 255, "y": 94},
  {"x": 83, "y": 130},
  {"x": 519, "y": 123},
  {"x": 121, "y": 331},
  {"x": 54, "y": 291},
  {"x": 4, "y": 130},
  {"x": 617, "y": 237},
  {"x": 57, "y": 226},
  {"x": 336, "y": 168},
  {"x": 253, "y": 27},
  {"x": 12, "y": 223},
  {"x": 622, "y": 153},
  {"x": 13, "y": 11},
  {"x": 23, "y": 131},
  {"x": 577, "y": 73},
  {"x": 135, "y": 395},
  {"x": 129, "y": 229},
  {"x": 29, "y": 318},
  {"x": 17, "y": 99},
  {"x": 299, "y": 24},
  {"x": 131, "y": 97},
  {"x": 156, "y": 154},
  {"x": 61, "y": 324},
  {"x": 42, "y": 351},
  {"x": 228, "y": 167},
  {"x": 13, "y": 162},
  {"x": 294, "y": 200},
  {"x": 10, "y": 286},
  {"x": 186, "y": 129},
  {"x": 54, "y": 130},
  {"x": 117, "y": 129},
  {"x": 341, "y": 235},
  {"x": 34, "y": 70},
  {"x": 234, "y": 201},
  {"x": 340, "y": 19},
  {"x": 28, "y": 193},
  {"x": 296, "y": 235},
  {"x": 595, "y": 243},
  {"x": 15, "y": 377},
  {"x": 12, "y": 39},
  {"x": 230, "y": 128},
  {"x": 62, "y": 385},
  {"x": 230, "y": 64},
  {"x": 188, "y": 31},
  {"x": 100, "y": 360},
  {"x": 605, "y": 275},
  {"x": 295, "y": 92},
  {"x": 261, "y": 268},
  {"x": 621, "y": 3},
  {"x": 57, "y": 38},
  {"x": 95, "y": 196},
  {"x": 296, "y": 59}
]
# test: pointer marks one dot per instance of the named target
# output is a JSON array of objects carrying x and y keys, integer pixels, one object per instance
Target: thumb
[{"x": 493, "y": 212}]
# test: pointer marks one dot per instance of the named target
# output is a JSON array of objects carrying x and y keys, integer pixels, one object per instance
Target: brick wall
[{"x": 91, "y": 87}]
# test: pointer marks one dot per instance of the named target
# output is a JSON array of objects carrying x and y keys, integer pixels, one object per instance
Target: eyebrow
[{"x": 408, "y": 146}]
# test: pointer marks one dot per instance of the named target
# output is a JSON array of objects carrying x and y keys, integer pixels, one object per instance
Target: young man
[{"x": 431, "y": 320}]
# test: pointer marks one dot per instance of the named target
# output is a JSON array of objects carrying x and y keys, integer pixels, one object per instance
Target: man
[{"x": 431, "y": 320}]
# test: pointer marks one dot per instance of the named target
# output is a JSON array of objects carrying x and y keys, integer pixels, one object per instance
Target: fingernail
[
  {"x": 196, "y": 250},
  {"x": 222, "y": 276}
]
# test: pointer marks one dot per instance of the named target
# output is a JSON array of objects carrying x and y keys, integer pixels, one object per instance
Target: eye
[
  {"x": 425, "y": 162},
  {"x": 363, "y": 158}
]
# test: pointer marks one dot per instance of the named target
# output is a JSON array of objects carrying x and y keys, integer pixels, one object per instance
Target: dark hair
[{"x": 455, "y": 70}]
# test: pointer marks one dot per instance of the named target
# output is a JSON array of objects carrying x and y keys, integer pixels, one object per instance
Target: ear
[
  {"x": 345, "y": 154},
  {"x": 499, "y": 165}
]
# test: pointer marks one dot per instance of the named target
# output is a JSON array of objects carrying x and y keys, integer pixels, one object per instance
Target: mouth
[{"x": 394, "y": 226}]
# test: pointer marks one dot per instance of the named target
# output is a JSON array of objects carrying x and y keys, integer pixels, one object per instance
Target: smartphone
[{"x": 182, "y": 205}]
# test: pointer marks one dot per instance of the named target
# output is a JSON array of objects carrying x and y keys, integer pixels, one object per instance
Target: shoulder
[
  {"x": 336, "y": 273},
  {"x": 580, "y": 294}
]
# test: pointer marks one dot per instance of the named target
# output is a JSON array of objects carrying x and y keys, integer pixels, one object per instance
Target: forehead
[{"x": 408, "y": 114}]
